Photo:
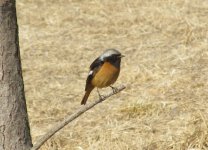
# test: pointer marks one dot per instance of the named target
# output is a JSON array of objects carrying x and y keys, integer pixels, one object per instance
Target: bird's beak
[{"x": 122, "y": 56}]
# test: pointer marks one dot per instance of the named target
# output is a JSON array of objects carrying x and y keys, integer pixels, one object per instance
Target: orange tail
[{"x": 87, "y": 93}]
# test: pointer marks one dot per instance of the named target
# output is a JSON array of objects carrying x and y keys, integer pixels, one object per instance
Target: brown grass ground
[{"x": 165, "y": 70}]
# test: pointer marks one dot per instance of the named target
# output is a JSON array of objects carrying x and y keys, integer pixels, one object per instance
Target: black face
[{"x": 115, "y": 60}]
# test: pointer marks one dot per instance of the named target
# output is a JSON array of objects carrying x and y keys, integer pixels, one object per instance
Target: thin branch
[{"x": 72, "y": 117}]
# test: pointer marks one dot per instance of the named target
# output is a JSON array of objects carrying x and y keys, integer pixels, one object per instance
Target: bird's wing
[
  {"x": 94, "y": 67},
  {"x": 96, "y": 63}
]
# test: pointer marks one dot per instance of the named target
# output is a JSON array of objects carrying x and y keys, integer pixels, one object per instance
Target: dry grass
[{"x": 165, "y": 69}]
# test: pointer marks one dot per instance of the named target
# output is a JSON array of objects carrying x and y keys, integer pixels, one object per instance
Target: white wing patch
[{"x": 90, "y": 73}]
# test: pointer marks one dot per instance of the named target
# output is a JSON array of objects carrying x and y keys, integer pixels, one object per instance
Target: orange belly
[{"x": 106, "y": 76}]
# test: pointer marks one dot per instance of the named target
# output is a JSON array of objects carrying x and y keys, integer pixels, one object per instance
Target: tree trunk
[{"x": 14, "y": 126}]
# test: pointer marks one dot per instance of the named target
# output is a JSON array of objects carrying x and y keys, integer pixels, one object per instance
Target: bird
[{"x": 104, "y": 71}]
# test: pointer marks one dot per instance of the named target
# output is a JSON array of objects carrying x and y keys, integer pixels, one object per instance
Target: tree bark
[{"x": 14, "y": 126}]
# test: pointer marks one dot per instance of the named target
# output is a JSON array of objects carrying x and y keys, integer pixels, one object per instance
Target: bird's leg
[
  {"x": 100, "y": 96},
  {"x": 114, "y": 89}
]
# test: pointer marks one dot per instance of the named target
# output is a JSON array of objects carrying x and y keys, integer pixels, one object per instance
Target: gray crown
[{"x": 109, "y": 52}]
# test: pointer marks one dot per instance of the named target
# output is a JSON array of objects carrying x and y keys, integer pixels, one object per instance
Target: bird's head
[{"x": 113, "y": 56}]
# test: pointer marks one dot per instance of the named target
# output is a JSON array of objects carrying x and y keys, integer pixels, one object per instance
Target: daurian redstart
[{"x": 103, "y": 72}]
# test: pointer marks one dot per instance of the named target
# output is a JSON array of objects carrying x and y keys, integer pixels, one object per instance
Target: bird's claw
[
  {"x": 101, "y": 97},
  {"x": 115, "y": 90}
]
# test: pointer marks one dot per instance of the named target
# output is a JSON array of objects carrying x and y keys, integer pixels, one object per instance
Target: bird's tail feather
[{"x": 87, "y": 93}]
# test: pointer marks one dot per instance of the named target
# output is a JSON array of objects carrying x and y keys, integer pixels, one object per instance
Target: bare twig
[{"x": 72, "y": 117}]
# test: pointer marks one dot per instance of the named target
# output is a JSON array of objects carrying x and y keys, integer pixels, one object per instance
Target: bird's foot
[
  {"x": 115, "y": 90},
  {"x": 100, "y": 96}
]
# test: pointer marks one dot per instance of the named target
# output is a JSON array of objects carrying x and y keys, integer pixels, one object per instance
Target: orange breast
[{"x": 106, "y": 76}]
